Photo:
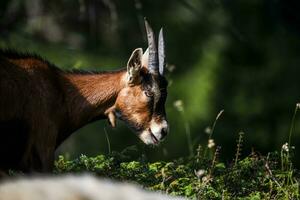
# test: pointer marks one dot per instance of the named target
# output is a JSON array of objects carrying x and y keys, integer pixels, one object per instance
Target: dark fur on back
[
  {"x": 30, "y": 90},
  {"x": 13, "y": 54}
]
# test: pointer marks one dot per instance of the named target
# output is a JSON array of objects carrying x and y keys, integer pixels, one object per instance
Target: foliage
[
  {"x": 241, "y": 56},
  {"x": 201, "y": 175},
  {"x": 197, "y": 177}
]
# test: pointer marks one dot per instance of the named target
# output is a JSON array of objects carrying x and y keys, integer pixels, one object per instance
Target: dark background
[{"x": 240, "y": 56}]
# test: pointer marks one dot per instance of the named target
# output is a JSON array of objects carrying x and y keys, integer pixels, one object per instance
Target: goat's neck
[{"x": 88, "y": 96}]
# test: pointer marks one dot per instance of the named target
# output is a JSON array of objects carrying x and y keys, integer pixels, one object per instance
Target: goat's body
[
  {"x": 40, "y": 106},
  {"x": 30, "y": 95}
]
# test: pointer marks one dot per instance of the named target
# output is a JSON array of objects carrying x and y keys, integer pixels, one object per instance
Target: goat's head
[{"x": 141, "y": 104}]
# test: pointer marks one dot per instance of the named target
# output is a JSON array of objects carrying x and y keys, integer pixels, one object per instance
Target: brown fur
[{"x": 41, "y": 105}]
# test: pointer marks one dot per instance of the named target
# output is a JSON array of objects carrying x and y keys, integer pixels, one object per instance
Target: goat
[
  {"x": 83, "y": 187},
  {"x": 42, "y": 105}
]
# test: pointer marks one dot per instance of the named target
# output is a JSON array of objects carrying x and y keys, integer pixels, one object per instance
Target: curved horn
[
  {"x": 153, "y": 61},
  {"x": 161, "y": 52}
]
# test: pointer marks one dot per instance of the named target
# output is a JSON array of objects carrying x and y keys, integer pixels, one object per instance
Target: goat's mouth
[
  {"x": 155, "y": 140},
  {"x": 149, "y": 138}
]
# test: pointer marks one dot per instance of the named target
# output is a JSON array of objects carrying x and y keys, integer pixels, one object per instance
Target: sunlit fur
[
  {"x": 41, "y": 106},
  {"x": 142, "y": 107}
]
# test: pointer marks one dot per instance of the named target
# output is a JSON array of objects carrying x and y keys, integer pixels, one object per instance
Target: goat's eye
[{"x": 148, "y": 93}]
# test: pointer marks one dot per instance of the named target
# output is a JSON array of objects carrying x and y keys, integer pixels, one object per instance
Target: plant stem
[
  {"x": 188, "y": 134},
  {"x": 238, "y": 148},
  {"x": 293, "y": 124},
  {"x": 107, "y": 139},
  {"x": 213, "y": 128},
  {"x": 215, "y": 122}
]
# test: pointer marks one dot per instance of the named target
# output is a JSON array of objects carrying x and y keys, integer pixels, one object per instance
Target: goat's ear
[
  {"x": 134, "y": 66},
  {"x": 110, "y": 113}
]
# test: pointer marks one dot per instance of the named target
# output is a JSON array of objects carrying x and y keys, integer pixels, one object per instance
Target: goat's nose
[{"x": 164, "y": 132}]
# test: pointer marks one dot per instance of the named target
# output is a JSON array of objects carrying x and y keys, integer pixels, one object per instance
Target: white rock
[{"x": 70, "y": 187}]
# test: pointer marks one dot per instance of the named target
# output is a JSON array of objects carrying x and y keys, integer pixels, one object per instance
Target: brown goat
[{"x": 41, "y": 105}]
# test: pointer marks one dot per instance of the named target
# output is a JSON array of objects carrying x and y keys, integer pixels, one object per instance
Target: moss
[{"x": 253, "y": 177}]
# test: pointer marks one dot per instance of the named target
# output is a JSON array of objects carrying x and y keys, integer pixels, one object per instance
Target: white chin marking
[
  {"x": 153, "y": 136},
  {"x": 146, "y": 137},
  {"x": 156, "y": 128}
]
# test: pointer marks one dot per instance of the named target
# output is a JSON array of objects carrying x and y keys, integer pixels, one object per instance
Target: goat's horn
[
  {"x": 153, "y": 61},
  {"x": 161, "y": 52}
]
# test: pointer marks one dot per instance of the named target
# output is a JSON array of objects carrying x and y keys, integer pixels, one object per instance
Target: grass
[
  {"x": 197, "y": 177},
  {"x": 200, "y": 175}
]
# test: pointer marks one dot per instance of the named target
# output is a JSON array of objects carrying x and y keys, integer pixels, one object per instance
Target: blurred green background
[{"x": 240, "y": 56}]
